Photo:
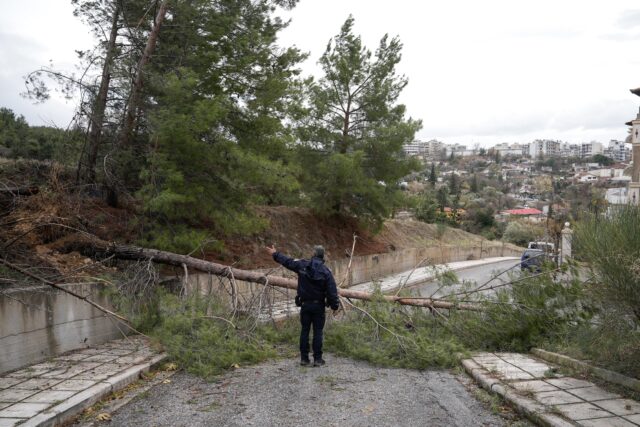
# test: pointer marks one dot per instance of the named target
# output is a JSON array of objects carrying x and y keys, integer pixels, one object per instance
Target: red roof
[{"x": 526, "y": 211}]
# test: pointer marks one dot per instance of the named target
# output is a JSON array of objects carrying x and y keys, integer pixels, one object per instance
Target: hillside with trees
[{"x": 192, "y": 114}]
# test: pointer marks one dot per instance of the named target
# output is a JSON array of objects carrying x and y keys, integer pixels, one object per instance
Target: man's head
[{"x": 318, "y": 251}]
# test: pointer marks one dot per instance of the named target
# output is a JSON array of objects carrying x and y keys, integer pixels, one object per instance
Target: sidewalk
[
  {"x": 52, "y": 392},
  {"x": 536, "y": 389}
]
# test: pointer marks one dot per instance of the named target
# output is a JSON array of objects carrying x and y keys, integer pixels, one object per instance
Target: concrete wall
[
  {"x": 38, "y": 322},
  {"x": 369, "y": 267}
]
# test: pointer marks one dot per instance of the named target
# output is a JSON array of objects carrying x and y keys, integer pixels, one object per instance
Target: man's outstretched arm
[{"x": 285, "y": 261}]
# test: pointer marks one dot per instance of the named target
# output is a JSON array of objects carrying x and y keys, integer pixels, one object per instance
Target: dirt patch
[{"x": 295, "y": 231}]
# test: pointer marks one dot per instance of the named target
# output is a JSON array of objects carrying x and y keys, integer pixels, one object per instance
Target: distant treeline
[{"x": 19, "y": 140}]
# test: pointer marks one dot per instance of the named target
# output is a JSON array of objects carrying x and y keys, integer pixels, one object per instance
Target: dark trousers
[{"x": 311, "y": 314}]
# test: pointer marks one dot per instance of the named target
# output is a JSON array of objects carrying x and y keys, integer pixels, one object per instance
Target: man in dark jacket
[{"x": 316, "y": 289}]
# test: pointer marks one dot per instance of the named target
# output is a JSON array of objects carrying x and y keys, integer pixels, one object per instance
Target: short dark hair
[{"x": 318, "y": 251}]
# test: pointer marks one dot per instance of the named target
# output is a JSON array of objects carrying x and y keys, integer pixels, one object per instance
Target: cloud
[
  {"x": 601, "y": 121},
  {"x": 629, "y": 19}
]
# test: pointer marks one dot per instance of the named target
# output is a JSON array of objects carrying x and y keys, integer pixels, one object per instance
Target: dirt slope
[{"x": 37, "y": 226}]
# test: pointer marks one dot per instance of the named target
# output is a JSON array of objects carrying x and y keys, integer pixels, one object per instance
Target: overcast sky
[{"x": 479, "y": 71}]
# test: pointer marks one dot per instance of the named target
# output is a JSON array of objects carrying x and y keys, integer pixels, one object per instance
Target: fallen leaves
[
  {"x": 170, "y": 367},
  {"x": 104, "y": 416}
]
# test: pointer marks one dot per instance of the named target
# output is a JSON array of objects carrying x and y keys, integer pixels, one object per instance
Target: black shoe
[
  {"x": 305, "y": 362},
  {"x": 319, "y": 362}
]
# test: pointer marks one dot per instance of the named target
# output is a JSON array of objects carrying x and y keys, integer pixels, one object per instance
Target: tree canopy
[
  {"x": 355, "y": 130},
  {"x": 195, "y": 110}
]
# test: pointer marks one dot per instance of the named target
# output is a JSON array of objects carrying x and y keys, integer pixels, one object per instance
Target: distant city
[{"x": 434, "y": 150}]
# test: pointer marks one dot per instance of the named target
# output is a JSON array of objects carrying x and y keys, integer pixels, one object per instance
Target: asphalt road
[
  {"x": 475, "y": 276},
  {"x": 281, "y": 393}
]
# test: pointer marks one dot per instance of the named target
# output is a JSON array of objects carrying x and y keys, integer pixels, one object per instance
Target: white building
[
  {"x": 544, "y": 148},
  {"x": 506, "y": 149},
  {"x": 588, "y": 178},
  {"x": 588, "y": 149},
  {"x": 569, "y": 150},
  {"x": 458, "y": 150},
  {"x": 425, "y": 150},
  {"x": 618, "y": 151}
]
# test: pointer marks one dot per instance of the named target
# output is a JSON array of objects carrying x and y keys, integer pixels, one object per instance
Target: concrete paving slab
[
  {"x": 28, "y": 373},
  {"x": 533, "y": 386},
  {"x": 101, "y": 358},
  {"x": 49, "y": 396},
  {"x": 100, "y": 373},
  {"x": 6, "y": 382},
  {"x": 568, "y": 383},
  {"x": 633, "y": 418},
  {"x": 118, "y": 352},
  {"x": 532, "y": 366},
  {"x": 515, "y": 375},
  {"x": 92, "y": 351},
  {"x": 23, "y": 410},
  {"x": 557, "y": 397},
  {"x": 71, "y": 370},
  {"x": 36, "y": 384},
  {"x": 620, "y": 406},
  {"x": 10, "y": 395},
  {"x": 74, "y": 357},
  {"x": 74, "y": 385},
  {"x": 130, "y": 360},
  {"x": 582, "y": 411},
  {"x": 607, "y": 422},
  {"x": 10, "y": 422},
  {"x": 592, "y": 394}
]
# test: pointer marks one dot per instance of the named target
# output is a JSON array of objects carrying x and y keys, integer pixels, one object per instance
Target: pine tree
[
  {"x": 454, "y": 184},
  {"x": 432, "y": 176},
  {"x": 222, "y": 90},
  {"x": 442, "y": 197},
  {"x": 354, "y": 137},
  {"x": 473, "y": 187}
]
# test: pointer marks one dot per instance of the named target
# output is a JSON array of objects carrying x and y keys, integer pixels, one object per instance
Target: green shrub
[{"x": 528, "y": 313}]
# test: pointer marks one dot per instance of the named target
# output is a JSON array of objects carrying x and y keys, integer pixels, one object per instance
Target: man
[{"x": 316, "y": 289}]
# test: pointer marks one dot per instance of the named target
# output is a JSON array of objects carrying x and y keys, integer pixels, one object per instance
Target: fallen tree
[
  {"x": 19, "y": 191},
  {"x": 93, "y": 247}
]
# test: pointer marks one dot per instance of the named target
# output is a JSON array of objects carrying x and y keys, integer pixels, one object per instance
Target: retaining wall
[
  {"x": 38, "y": 322},
  {"x": 367, "y": 268}
]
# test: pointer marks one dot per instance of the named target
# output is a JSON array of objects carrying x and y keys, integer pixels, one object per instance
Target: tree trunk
[
  {"x": 127, "y": 252},
  {"x": 134, "y": 97},
  {"x": 19, "y": 191},
  {"x": 87, "y": 172}
]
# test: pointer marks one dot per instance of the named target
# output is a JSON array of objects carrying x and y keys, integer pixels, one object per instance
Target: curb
[
  {"x": 603, "y": 374},
  {"x": 532, "y": 410},
  {"x": 63, "y": 412}
]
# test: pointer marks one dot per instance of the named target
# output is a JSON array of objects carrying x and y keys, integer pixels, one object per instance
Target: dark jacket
[{"x": 315, "y": 281}]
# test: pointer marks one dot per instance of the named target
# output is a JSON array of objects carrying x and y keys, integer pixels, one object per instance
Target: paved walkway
[
  {"x": 49, "y": 393},
  {"x": 535, "y": 387}
]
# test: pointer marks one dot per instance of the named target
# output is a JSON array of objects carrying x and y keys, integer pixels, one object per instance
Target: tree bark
[
  {"x": 19, "y": 191},
  {"x": 87, "y": 171},
  {"x": 134, "y": 97},
  {"x": 136, "y": 253}
]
